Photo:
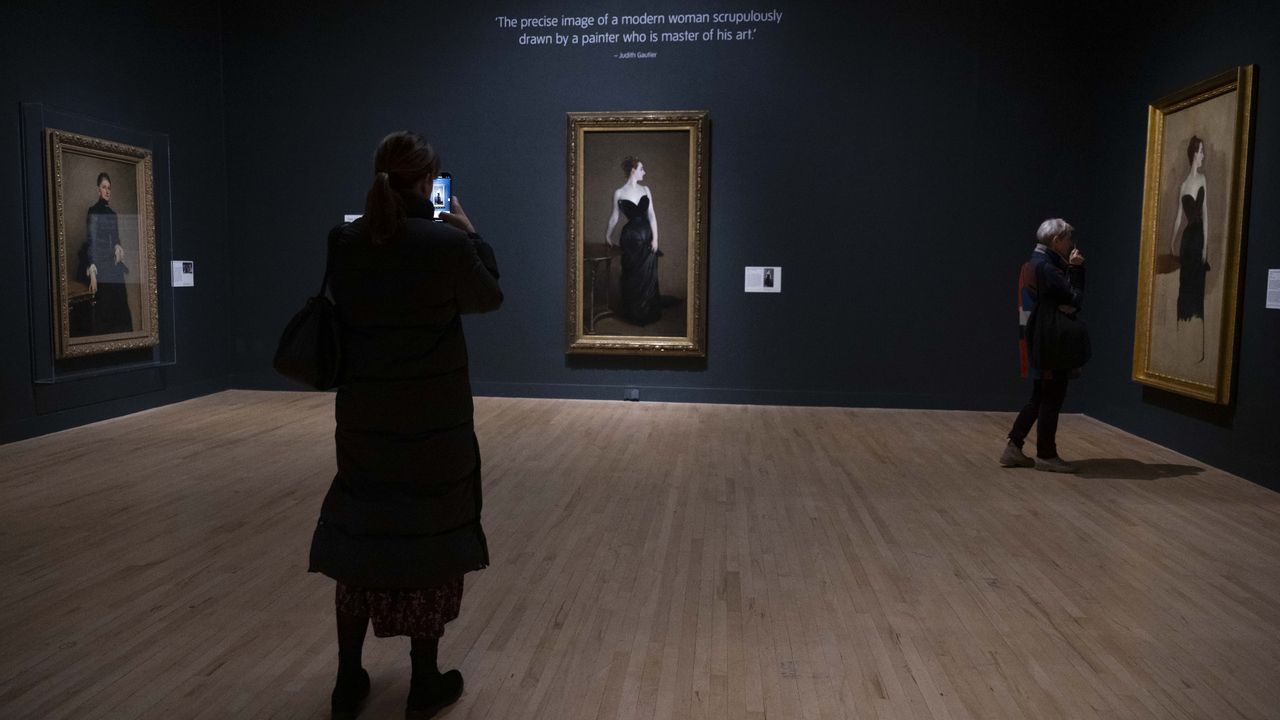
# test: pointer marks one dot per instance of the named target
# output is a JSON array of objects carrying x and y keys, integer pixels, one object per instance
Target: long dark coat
[
  {"x": 404, "y": 508},
  {"x": 1057, "y": 340}
]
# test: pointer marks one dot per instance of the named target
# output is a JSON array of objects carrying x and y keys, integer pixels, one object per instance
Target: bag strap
[{"x": 328, "y": 260}]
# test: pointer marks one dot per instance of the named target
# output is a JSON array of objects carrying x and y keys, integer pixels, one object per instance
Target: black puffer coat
[{"x": 404, "y": 508}]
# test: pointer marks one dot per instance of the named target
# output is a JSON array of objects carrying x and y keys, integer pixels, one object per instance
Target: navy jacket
[{"x": 1057, "y": 339}]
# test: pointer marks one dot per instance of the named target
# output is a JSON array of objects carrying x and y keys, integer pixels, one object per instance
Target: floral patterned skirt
[{"x": 415, "y": 613}]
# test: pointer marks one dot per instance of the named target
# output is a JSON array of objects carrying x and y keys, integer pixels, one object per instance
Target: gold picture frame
[
  {"x": 622, "y": 297},
  {"x": 102, "y": 244},
  {"x": 1193, "y": 211}
]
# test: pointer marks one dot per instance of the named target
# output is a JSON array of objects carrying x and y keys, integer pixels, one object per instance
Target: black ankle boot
[
  {"x": 438, "y": 694},
  {"x": 349, "y": 693}
]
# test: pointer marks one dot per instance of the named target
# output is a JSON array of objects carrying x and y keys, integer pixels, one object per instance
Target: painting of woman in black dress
[
  {"x": 1193, "y": 253},
  {"x": 1187, "y": 294},
  {"x": 636, "y": 251},
  {"x": 103, "y": 269},
  {"x": 1193, "y": 214},
  {"x": 638, "y": 240},
  {"x": 102, "y": 232}
]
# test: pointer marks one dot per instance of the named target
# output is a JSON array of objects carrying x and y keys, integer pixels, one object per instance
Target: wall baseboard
[{"x": 84, "y": 415}]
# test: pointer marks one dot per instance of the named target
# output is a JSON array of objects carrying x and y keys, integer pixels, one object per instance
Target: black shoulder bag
[
  {"x": 1056, "y": 340},
  {"x": 310, "y": 349}
]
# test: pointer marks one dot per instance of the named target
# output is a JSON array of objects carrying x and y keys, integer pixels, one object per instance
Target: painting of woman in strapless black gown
[
  {"x": 1194, "y": 205},
  {"x": 1193, "y": 218},
  {"x": 635, "y": 286},
  {"x": 638, "y": 242},
  {"x": 1193, "y": 253}
]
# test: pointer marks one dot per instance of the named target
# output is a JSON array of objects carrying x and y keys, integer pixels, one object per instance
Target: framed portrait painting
[
  {"x": 636, "y": 256},
  {"x": 101, "y": 204},
  {"x": 1193, "y": 211}
]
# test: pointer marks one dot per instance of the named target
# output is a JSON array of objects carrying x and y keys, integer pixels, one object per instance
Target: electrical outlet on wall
[{"x": 631, "y": 394}]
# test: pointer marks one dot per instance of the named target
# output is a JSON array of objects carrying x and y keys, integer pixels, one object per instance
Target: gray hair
[{"x": 1052, "y": 228}]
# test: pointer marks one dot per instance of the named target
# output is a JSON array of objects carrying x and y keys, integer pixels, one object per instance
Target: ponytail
[
  {"x": 402, "y": 160},
  {"x": 384, "y": 209}
]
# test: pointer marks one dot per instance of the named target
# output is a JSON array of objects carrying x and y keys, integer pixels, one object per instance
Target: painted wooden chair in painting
[{"x": 599, "y": 259}]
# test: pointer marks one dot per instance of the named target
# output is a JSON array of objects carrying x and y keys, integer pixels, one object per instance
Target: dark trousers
[{"x": 1044, "y": 406}]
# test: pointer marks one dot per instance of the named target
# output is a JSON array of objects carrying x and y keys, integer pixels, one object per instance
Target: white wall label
[
  {"x": 183, "y": 273},
  {"x": 1273, "y": 289},
  {"x": 350, "y": 218},
  {"x": 763, "y": 279}
]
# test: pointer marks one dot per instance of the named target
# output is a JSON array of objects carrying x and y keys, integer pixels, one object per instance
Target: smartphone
[{"x": 441, "y": 194}]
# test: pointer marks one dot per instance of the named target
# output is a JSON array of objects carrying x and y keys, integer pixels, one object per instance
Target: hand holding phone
[
  {"x": 441, "y": 195},
  {"x": 457, "y": 217}
]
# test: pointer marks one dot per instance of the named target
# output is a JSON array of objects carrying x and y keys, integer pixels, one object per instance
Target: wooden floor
[{"x": 651, "y": 561}]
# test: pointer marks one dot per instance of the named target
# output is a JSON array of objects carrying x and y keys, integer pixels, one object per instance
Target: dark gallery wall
[
  {"x": 135, "y": 70},
  {"x": 917, "y": 150},
  {"x": 1194, "y": 42}
]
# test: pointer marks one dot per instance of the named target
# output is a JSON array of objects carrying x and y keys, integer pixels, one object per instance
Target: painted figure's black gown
[
  {"x": 639, "y": 265},
  {"x": 1192, "y": 266},
  {"x": 111, "y": 312}
]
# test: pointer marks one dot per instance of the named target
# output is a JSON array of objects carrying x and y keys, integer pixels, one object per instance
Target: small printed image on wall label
[
  {"x": 184, "y": 273},
  {"x": 764, "y": 279}
]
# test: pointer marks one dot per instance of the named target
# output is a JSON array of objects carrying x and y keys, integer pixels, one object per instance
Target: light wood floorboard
[{"x": 651, "y": 561}]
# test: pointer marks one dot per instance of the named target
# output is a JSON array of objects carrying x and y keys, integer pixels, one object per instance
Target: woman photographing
[{"x": 400, "y": 525}]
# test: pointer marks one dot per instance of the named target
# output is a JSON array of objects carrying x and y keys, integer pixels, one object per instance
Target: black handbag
[{"x": 310, "y": 349}]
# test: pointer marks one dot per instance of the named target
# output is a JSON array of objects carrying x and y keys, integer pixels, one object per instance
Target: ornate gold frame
[
  {"x": 694, "y": 342},
  {"x": 1239, "y": 80},
  {"x": 59, "y": 144}
]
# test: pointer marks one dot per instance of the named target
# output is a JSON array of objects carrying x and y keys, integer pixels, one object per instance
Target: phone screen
[{"x": 441, "y": 192}]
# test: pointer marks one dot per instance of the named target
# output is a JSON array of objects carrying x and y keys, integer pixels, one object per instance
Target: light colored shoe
[
  {"x": 1055, "y": 464},
  {"x": 1013, "y": 457}
]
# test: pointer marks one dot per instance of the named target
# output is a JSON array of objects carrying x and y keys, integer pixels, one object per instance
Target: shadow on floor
[{"x": 1127, "y": 469}]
